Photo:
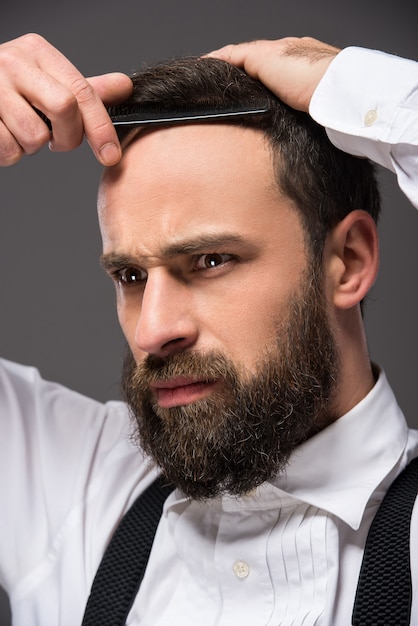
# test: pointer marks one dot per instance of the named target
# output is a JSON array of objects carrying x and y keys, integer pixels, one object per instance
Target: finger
[
  {"x": 40, "y": 90},
  {"x": 221, "y": 53},
  {"x": 112, "y": 88},
  {"x": 28, "y": 129},
  {"x": 290, "y": 67},
  {"x": 226, "y": 53},
  {"x": 10, "y": 150},
  {"x": 87, "y": 113},
  {"x": 79, "y": 109},
  {"x": 62, "y": 93},
  {"x": 97, "y": 126},
  {"x": 242, "y": 54}
]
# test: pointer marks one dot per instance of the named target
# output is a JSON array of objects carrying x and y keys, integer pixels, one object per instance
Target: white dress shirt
[{"x": 290, "y": 552}]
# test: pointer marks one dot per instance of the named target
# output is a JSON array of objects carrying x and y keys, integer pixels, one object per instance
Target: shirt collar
[{"x": 339, "y": 468}]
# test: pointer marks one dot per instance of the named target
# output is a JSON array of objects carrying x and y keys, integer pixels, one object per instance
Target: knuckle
[
  {"x": 101, "y": 125},
  {"x": 10, "y": 153},
  {"x": 14, "y": 54},
  {"x": 64, "y": 104},
  {"x": 36, "y": 140},
  {"x": 11, "y": 159},
  {"x": 82, "y": 90},
  {"x": 30, "y": 132},
  {"x": 8, "y": 55},
  {"x": 101, "y": 132},
  {"x": 32, "y": 40}
]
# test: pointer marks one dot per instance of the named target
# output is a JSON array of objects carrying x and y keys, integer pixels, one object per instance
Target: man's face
[
  {"x": 204, "y": 251},
  {"x": 213, "y": 284}
]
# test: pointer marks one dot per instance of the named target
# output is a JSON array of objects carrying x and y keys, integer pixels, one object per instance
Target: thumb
[{"x": 112, "y": 88}]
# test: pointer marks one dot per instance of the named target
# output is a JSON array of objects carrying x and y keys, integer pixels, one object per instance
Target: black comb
[{"x": 145, "y": 114}]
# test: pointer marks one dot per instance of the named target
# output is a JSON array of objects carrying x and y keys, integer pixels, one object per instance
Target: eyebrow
[{"x": 194, "y": 245}]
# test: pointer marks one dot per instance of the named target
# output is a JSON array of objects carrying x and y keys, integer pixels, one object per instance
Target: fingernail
[{"x": 110, "y": 154}]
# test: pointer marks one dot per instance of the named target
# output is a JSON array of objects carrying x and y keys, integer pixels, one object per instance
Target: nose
[{"x": 166, "y": 322}]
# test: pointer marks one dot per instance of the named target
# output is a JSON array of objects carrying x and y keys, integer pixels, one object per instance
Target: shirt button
[
  {"x": 241, "y": 569},
  {"x": 370, "y": 117}
]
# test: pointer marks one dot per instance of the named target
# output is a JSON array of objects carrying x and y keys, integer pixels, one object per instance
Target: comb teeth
[{"x": 144, "y": 114}]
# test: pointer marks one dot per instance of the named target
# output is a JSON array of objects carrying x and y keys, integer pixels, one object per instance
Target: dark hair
[{"x": 324, "y": 182}]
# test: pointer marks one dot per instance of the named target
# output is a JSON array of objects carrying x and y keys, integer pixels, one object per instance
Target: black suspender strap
[
  {"x": 123, "y": 565},
  {"x": 384, "y": 592}
]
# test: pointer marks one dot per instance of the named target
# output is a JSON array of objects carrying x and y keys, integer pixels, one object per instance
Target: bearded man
[{"x": 241, "y": 249}]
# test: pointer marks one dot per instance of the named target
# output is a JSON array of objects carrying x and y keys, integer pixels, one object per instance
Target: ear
[{"x": 351, "y": 259}]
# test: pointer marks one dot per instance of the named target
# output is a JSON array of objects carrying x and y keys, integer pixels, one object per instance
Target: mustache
[{"x": 205, "y": 367}]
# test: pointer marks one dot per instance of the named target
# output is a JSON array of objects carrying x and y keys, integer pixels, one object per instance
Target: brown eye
[
  {"x": 131, "y": 276},
  {"x": 209, "y": 261}
]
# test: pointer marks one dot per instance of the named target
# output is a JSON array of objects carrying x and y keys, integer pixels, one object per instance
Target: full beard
[{"x": 244, "y": 432}]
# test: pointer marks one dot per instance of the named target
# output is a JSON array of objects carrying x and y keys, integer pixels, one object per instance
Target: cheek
[
  {"x": 128, "y": 319},
  {"x": 245, "y": 324}
]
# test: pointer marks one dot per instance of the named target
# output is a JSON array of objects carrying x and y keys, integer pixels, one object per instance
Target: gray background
[{"x": 57, "y": 307}]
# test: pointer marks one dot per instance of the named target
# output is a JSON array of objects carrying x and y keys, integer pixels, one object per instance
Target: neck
[{"x": 356, "y": 372}]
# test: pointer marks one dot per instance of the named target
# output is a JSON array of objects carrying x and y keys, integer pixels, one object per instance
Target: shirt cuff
[{"x": 368, "y": 102}]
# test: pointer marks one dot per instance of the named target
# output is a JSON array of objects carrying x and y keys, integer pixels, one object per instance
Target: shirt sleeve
[
  {"x": 368, "y": 103},
  {"x": 57, "y": 449}
]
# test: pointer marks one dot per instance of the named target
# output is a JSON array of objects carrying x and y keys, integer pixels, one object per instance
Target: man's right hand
[{"x": 35, "y": 74}]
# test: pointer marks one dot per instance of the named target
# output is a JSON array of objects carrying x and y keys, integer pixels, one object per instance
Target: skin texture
[
  {"x": 290, "y": 67},
  {"x": 176, "y": 187},
  {"x": 32, "y": 72},
  {"x": 182, "y": 198},
  {"x": 210, "y": 268},
  {"x": 243, "y": 429}
]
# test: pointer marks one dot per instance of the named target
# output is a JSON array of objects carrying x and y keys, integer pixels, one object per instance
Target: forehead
[
  {"x": 189, "y": 177},
  {"x": 203, "y": 149}
]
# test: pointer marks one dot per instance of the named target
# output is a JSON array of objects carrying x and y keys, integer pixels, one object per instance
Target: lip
[{"x": 181, "y": 390}]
